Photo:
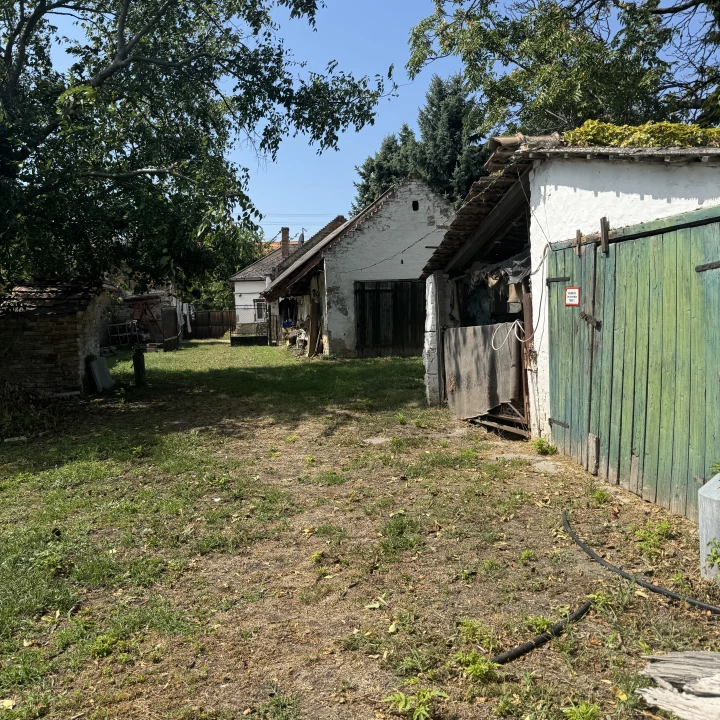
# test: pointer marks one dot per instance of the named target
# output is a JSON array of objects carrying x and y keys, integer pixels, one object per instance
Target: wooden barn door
[
  {"x": 571, "y": 279},
  {"x": 654, "y": 375},
  {"x": 390, "y": 318}
]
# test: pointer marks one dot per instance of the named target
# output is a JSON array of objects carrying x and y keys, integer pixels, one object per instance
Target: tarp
[{"x": 479, "y": 378}]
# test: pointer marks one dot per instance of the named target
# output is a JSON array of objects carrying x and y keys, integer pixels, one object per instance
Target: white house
[
  {"x": 251, "y": 282},
  {"x": 356, "y": 290},
  {"x": 595, "y": 272}
]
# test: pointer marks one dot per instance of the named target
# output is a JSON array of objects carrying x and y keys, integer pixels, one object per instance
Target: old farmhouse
[
  {"x": 576, "y": 297},
  {"x": 356, "y": 292}
]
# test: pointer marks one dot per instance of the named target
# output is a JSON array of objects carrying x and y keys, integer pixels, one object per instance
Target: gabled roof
[
  {"x": 310, "y": 259},
  {"x": 262, "y": 268},
  {"x": 312, "y": 242},
  {"x": 36, "y": 298}
]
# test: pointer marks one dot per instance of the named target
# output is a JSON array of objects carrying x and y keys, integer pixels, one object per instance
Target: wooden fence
[{"x": 213, "y": 324}]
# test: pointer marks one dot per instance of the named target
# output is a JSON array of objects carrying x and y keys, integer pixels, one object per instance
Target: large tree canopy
[
  {"x": 544, "y": 65},
  {"x": 444, "y": 156},
  {"x": 121, "y": 159}
]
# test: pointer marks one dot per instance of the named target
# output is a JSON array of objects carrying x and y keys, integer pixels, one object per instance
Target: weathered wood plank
[
  {"x": 686, "y": 707},
  {"x": 554, "y": 260},
  {"x": 667, "y": 385},
  {"x": 588, "y": 262},
  {"x": 629, "y": 260},
  {"x": 696, "y": 459},
  {"x": 621, "y": 290},
  {"x": 608, "y": 331},
  {"x": 652, "y": 422},
  {"x": 576, "y": 379},
  {"x": 567, "y": 366},
  {"x": 681, "y": 668},
  {"x": 681, "y": 433},
  {"x": 711, "y": 281},
  {"x": 598, "y": 342},
  {"x": 641, "y": 361}
]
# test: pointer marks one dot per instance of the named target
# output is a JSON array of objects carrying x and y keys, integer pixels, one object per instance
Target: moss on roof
[{"x": 662, "y": 134}]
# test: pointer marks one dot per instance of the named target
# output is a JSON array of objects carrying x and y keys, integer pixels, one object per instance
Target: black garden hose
[
  {"x": 638, "y": 581},
  {"x": 543, "y": 638}
]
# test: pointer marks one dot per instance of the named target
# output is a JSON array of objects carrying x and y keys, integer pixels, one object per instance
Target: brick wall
[{"x": 47, "y": 352}]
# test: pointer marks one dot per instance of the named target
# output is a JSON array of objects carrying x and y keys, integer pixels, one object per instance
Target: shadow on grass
[{"x": 277, "y": 384}]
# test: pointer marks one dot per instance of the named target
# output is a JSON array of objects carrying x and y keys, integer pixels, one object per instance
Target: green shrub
[{"x": 543, "y": 447}]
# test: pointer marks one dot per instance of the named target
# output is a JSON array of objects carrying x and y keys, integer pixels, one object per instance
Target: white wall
[
  {"x": 571, "y": 195},
  {"x": 246, "y": 292},
  {"x": 367, "y": 255}
]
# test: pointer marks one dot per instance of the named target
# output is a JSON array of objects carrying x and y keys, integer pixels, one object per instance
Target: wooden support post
[
  {"x": 604, "y": 235},
  {"x": 578, "y": 243}
]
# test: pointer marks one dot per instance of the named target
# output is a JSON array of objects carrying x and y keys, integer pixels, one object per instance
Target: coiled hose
[{"x": 638, "y": 581}]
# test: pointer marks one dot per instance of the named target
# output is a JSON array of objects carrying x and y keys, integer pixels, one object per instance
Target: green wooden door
[
  {"x": 653, "y": 367},
  {"x": 570, "y": 355}
]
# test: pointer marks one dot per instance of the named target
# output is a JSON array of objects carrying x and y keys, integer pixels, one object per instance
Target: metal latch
[
  {"x": 556, "y": 279},
  {"x": 597, "y": 324},
  {"x": 558, "y": 423}
]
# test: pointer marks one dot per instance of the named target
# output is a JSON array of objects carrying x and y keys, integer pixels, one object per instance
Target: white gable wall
[
  {"x": 246, "y": 292},
  {"x": 571, "y": 195},
  {"x": 366, "y": 255}
]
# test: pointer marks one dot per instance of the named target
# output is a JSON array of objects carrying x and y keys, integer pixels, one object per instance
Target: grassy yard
[{"x": 259, "y": 536}]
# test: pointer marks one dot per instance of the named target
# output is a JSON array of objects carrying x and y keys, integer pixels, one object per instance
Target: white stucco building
[
  {"x": 357, "y": 289},
  {"x": 610, "y": 311}
]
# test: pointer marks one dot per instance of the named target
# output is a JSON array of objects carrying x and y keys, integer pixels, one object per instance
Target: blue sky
[{"x": 302, "y": 188}]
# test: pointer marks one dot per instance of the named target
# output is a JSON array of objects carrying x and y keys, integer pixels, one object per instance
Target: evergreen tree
[
  {"x": 444, "y": 156},
  {"x": 394, "y": 161}
]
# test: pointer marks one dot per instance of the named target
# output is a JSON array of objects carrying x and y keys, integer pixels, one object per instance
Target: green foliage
[
  {"x": 476, "y": 667},
  {"x": 527, "y": 556},
  {"x": 599, "y": 495},
  {"x": 97, "y": 174},
  {"x": 539, "y": 623},
  {"x": 713, "y": 557},
  {"x": 583, "y": 711},
  {"x": 716, "y": 468},
  {"x": 546, "y": 65},
  {"x": 400, "y": 533},
  {"x": 415, "y": 663},
  {"x": 444, "y": 156},
  {"x": 651, "y": 536},
  {"x": 415, "y": 707},
  {"x": 279, "y": 707},
  {"x": 543, "y": 447},
  {"x": 476, "y": 633},
  {"x": 651, "y": 134}
]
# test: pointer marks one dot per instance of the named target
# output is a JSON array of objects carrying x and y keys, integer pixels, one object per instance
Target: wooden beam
[{"x": 495, "y": 225}]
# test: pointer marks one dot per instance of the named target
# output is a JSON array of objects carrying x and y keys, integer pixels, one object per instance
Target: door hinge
[
  {"x": 708, "y": 266},
  {"x": 556, "y": 279},
  {"x": 597, "y": 324},
  {"x": 558, "y": 423}
]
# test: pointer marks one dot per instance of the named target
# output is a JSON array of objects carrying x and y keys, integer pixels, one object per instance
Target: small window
[
  {"x": 259, "y": 310},
  {"x": 416, "y": 205}
]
